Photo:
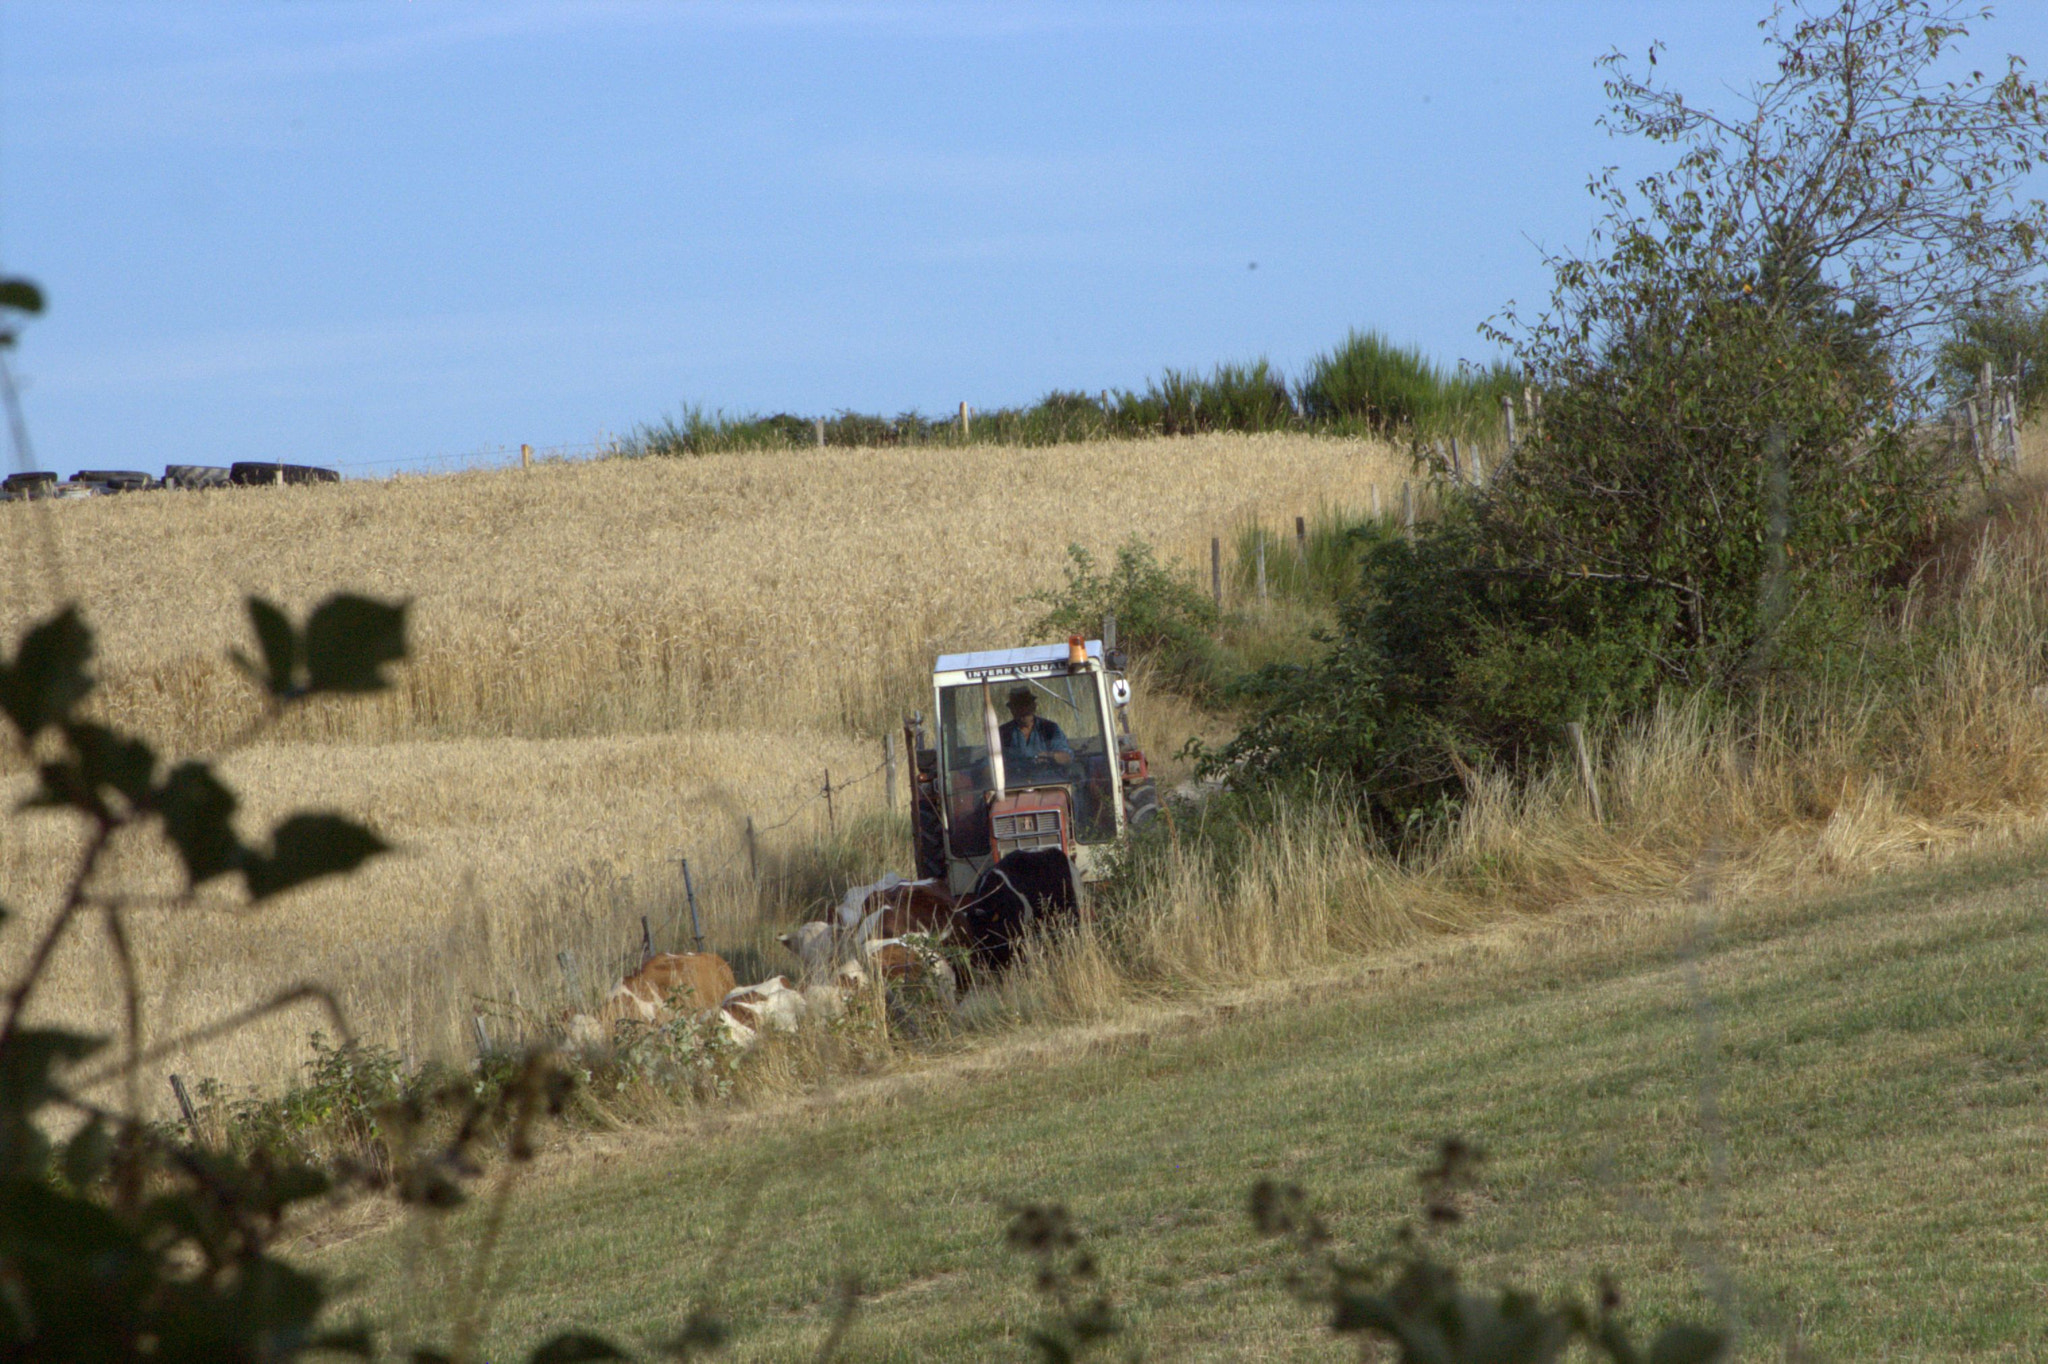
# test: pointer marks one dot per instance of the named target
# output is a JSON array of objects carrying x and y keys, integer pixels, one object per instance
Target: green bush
[
  {"x": 1247, "y": 397},
  {"x": 1388, "y": 389},
  {"x": 2011, "y": 334},
  {"x": 700, "y": 432},
  {"x": 1439, "y": 661},
  {"x": 1365, "y": 385},
  {"x": 1715, "y": 502},
  {"x": 1727, "y": 481},
  {"x": 1162, "y": 614},
  {"x": 1371, "y": 380}
]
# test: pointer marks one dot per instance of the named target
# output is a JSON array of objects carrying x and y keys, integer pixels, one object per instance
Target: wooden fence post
[
  {"x": 753, "y": 854},
  {"x": 1109, "y": 634},
  {"x": 526, "y": 456},
  {"x": 889, "y": 772},
  {"x": 567, "y": 961},
  {"x": 1507, "y": 419},
  {"x": 690, "y": 893},
  {"x": 1301, "y": 538},
  {"x": 1478, "y": 469},
  {"x": 831, "y": 819},
  {"x": 963, "y": 419},
  {"x": 185, "y": 1105},
  {"x": 1977, "y": 437},
  {"x": 820, "y": 426},
  {"x": 483, "y": 1039},
  {"x": 1457, "y": 465},
  {"x": 1407, "y": 508},
  {"x": 1577, "y": 734},
  {"x": 1262, "y": 568},
  {"x": 2009, "y": 403},
  {"x": 1216, "y": 569}
]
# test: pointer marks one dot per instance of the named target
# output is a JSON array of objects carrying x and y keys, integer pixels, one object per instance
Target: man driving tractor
[{"x": 1030, "y": 742}]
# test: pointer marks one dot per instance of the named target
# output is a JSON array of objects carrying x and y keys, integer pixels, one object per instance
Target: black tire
[
  {"x": 1141, "y": 804},
  {"x": 927, "y": 835},
  {"x": 23, "y": 487},
  {"x": 195, "y": 476},
  {"x": 116, "y": 480},
  {"x": 248, "y": 474}
]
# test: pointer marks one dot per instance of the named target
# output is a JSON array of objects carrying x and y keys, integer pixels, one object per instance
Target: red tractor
[{"x": 1033, "y": 752}]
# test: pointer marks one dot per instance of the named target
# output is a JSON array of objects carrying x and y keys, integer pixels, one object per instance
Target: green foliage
[
  {"x": 1229, "y": 398},
  {"x": 17, "y": 296},
  {"x": 1391, "y": 389},
  {"x": 1869, "y": 156},
  {"x": 700, "y": 432},
  {"x": 2011, "y": 335},
  {"x": 1408, "y": 1300},
  {"x": 1440, "y": 666},
  {"x": 1320, "y": 568},
  {"x": 1081, "y": 1317},
  {"x": 125, "y": 1242},
  {"x": 1412, "y": 1302},
  {"x": 1344, "y": 394},
  {"x": 1725, "y": 481},
  {"x": 1162, "y": 614},
  {"x": 338, "y": 1113}
]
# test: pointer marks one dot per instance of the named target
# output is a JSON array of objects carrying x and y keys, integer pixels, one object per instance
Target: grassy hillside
[
  {"x": 616, "y": 664},
  {"x": 1868, "y": 1183}
]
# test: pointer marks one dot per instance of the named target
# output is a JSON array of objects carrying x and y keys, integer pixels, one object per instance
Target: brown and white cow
[
  {"x": 912, "y": 961},
  {"x": 887, "y": 911},
  {"x": 665, "y": 987},
  {"x": 774, "y": 1005},
  {"x": 892, "y": 907}
]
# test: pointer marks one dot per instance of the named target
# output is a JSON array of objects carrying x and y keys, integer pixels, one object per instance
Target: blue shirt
[{"x": 1038, "y": 746}]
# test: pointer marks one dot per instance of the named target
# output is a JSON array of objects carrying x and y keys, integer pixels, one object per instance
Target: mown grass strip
[{"x": 1879, "y": 1062}]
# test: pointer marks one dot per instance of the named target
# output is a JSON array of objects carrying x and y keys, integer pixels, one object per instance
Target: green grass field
[{"x": 1875, "y": 1186}]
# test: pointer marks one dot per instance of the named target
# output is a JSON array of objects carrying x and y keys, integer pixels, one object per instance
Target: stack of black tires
[{"x": 97, "y": 482}]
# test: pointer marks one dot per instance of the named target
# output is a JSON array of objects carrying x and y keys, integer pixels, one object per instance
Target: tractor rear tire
[
  {"x": 927, "y": 835},
  {"x": 1142, "y": 803}
]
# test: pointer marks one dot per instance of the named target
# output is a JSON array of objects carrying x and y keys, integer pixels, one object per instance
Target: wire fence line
[
  {"x": 795, "y": 812},
  {"x": 489, "y": 457}
]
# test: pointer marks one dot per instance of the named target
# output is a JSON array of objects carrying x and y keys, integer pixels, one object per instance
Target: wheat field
[{"x": 615, "y": 665}]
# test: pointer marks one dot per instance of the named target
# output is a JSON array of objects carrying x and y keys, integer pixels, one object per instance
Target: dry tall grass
[
  {"x": 542, "y": 806},
  {"x": 615, "y": 665},
  {"x": 1947, "y": 752}
]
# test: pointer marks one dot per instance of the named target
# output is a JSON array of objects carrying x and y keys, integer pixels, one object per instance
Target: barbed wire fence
[
  {"x": 485, "y": 457},
  {"x": 493, "y": 1021},
  {"x": 825, "y": 794}
]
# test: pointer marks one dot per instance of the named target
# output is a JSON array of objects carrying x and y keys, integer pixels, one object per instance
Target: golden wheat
[
  {"x": 804, "y": 590},
  {"x": 616, "y": 664}
]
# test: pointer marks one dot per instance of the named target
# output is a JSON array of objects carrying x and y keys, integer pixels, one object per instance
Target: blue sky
[{"x": 373, "y": 234}]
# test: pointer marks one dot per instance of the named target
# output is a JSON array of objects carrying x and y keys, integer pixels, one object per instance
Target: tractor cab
[{"x": 1032, "y": 750}]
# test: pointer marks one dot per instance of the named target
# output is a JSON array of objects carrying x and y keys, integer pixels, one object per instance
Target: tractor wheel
[
  {"x": 1141, "y": 802},
  {"x": 928, "y": 836}
]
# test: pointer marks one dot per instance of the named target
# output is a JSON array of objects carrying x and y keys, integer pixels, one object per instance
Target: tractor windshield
[{"x": 1049, "y": 733}]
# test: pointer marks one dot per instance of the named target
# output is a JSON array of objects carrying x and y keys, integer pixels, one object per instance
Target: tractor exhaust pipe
[{"x": 992, "y": 733}]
